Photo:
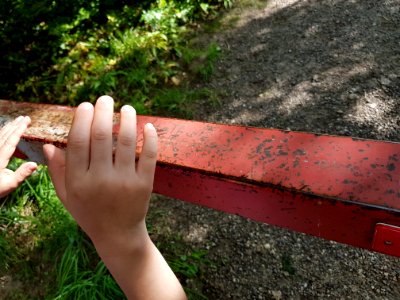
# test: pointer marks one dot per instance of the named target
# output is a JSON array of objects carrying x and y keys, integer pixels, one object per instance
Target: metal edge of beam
[{"x": 193, "y": 167}]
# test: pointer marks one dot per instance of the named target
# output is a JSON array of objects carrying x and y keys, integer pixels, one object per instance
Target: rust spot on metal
[
  {"x": 389, "y": 191},
  {"x": 282, "y": 153},
  {"x": 299, "y": 152},
  {"x": 391, "y": 167},
  {"x": 267, "y": 153},
  {"x": 227, "y": 164}
]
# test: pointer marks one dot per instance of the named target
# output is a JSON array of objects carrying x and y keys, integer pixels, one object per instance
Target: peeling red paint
[{"x": 260, "y": 173}]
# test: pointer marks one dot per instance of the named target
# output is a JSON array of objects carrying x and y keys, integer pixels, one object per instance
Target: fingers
[
  {"x": 148, "y": 157},
  {"x": 9, "y": 138},
  {"x": 10, "y": 180},
  {"x": 24, "y": 171},
  {"x": 7, "y": 128},
  {"x": 78, "y": 149},
  {"x": 101, "y": 134},
  {"x": 126, "y": 143},
  {"x": 56, "y": 163}
]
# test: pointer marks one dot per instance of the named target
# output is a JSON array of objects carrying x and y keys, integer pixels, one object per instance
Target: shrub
[{"x": 66, "y": 52}]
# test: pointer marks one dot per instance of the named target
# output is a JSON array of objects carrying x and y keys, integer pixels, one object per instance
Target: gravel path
[{"x": 322, "y": 66}]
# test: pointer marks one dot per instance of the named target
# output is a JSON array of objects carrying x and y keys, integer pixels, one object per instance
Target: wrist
[{"x": 122, "y": 243}]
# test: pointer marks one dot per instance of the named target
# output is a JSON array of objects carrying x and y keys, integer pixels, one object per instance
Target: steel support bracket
[{"x": 387, "y": 239}]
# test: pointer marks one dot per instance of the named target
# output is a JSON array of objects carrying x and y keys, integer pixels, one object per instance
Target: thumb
[
  {"x": 56, "y": 163},
  {"x": 24, "y": 171}
]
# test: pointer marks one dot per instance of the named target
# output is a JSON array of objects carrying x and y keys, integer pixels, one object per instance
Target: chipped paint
[{"x": 268, "y": 175}]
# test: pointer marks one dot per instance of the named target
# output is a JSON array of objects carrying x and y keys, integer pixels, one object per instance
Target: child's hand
[
  {"x": 107, "y": 197},
  {"x": 10, "y": 135}
]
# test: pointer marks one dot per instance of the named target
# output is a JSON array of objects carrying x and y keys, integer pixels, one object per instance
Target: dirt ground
[{"x": 321, "y": 66}]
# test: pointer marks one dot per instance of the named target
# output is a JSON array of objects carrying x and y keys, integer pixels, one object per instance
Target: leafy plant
[
  {"x": 287, "y": 264},
  {"x": 186, "y": 265},
  {"x": 66, "y": 53}
]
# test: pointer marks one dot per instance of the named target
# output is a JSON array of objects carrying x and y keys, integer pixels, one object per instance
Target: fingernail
[
  {"x": 128, "y": 109},
  {"x": 150, "y": 126},
  {"x": 86, "y": 105},
  {"x": 107, "y": 100},
  {"x": 33, "y": 166},
  {"x": 19, "y": 119}
]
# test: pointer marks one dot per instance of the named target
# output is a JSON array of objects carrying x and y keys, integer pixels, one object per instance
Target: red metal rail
[{"x": 337, "y": 188}]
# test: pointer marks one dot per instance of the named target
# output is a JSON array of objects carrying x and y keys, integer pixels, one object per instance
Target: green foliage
[
  {"x": 69, "y": 52},
  {"x": 202, "y": 62},
  {"x": 42, "y": 246},
  {"x": 47, "y": 246},
  {"x": 76, "y": 280},
  {"x": 287, "y": 264},
  {"x": 66, "y": 52},
  {"x": 186, "y": 263},
  {"x": 178, "y": 101},
  {"x": 6, "y": 253}
]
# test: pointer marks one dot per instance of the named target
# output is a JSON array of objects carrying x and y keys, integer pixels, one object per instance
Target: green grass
[
  {"x": 73, "y": 51},
  {"x": 201, "y": 62},
  {"x": 288, "y": 265},
  {"x": 45, "y": 252}
]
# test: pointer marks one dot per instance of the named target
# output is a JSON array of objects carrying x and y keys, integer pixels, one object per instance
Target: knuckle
[
  {"x": 23, "y": 173},
  {"x": 151, "y": 154},
  {"x": 76, "y": 143},
  {"x": 99, "y": 134},
  {"x": 7, "y": 147},
  {"x": 104, "y": 183},
  {"x": 126, "y": 186},
  {"x": 73, "y": 186},
  {"x": 144, "y": 187},
  {"x": 11, "y": 142},
  {"x": 126, "y": 140}
]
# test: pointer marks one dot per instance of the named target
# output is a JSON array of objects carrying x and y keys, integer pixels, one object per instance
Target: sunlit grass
[
  {"x": 44, "y": 251},
  {"x": 70, "y": 52}
]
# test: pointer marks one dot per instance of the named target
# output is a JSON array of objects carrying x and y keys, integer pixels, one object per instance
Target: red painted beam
[{"x": 332, "y": 187}]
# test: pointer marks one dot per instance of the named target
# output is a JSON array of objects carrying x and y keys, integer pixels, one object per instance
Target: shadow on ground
[{"x": 321, "y": 66}]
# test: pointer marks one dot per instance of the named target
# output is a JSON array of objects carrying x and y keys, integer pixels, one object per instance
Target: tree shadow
[{"x": 322, "y": 66}]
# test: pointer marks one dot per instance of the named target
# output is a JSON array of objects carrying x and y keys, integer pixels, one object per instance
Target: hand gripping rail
[{"x": 338, "y": 188}]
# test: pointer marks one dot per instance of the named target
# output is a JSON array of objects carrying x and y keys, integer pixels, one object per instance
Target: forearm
[{"x": 140, "y": 269}]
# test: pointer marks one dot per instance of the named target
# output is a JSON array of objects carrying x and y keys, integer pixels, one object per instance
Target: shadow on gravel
[
  {"x": 322, "y": 66},
  {"x": 325, "y": 66}
]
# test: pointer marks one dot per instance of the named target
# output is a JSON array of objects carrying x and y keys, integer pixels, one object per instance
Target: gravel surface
[{"x": 320, "y": 66}]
